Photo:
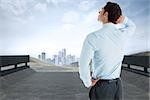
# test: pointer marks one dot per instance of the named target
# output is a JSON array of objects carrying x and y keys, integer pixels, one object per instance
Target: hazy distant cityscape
[{"x": 59, "y": 59}]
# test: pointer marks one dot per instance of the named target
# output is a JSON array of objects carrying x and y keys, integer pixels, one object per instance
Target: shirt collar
[{"x": 109, "y": 25}]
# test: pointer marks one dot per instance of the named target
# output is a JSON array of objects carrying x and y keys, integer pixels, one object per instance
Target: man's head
[{"x": 110, "y": 13}]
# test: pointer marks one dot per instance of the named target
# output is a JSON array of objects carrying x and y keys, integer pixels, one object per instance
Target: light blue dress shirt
[{"x": 105, "y": 49}]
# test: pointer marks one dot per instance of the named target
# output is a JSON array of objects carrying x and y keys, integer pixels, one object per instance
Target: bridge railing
[
  {"x": 8, "y": 60},
  {"x": 141, "y": 61}
]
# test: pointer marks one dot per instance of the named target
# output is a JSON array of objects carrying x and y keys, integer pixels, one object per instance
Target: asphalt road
[{"x": 28, "y": 84}]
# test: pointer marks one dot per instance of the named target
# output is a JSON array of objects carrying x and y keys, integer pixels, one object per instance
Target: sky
[{"x": 35, "y": 26}]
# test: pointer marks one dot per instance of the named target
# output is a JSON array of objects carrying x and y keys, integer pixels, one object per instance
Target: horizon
[{"x": 35, "y": 26}]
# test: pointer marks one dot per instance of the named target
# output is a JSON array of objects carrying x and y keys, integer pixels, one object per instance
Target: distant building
[
  {"x": 63, "y": 52},
  {"x": 75, "y": 64},
  {"x": 39, "y": 56},
  {"x": 55, "y": 59},
  {"x": 48, "y": 60},
  {"x": 43, "y": 56},
  {"x": 68, "y": 59},
  {"x": 63, "y": 58},
  {"x": 73, "y": 58}
]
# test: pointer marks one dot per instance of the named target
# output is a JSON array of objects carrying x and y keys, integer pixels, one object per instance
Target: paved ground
[{"x": 31, "y": 85}]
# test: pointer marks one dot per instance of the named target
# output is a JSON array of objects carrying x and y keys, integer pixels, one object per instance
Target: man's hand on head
[{"x": 120, "y": 19}]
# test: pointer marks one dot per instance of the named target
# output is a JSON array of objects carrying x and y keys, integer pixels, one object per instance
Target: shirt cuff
[{"x": 87, "y": 83}]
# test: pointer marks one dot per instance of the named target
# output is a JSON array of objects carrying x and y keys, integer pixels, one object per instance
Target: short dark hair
[{"x": 114, "y": 11}]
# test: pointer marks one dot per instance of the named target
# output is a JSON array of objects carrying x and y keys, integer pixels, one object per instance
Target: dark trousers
[{"x": 106, "y": 90}]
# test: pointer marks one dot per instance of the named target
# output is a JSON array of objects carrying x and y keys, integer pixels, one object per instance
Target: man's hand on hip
[{"x": 94, "y": 81}]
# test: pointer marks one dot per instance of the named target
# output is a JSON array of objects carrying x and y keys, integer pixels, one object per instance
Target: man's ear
[{"x": 106, "y": 14}]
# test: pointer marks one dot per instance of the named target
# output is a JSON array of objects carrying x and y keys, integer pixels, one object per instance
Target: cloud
[
  {"x": 41, "y": 7},
  {"x": 138, "y": 12},
  {"x": 92, "y": 16},
  {"x": 23, "y": 21},
  {"x": 71, "y": 17},
  {"x": 90, "y": 20},
  {"x": 48, "y": 1},
  {"x": 15, "y": 7},
  {"x": 68, "y": 27},
  {"x": 86, "y": 5},
  {"x": 16, "y": 11},
  {"x": 136, "y": 45},
  {"x": 56, "y": 2}
]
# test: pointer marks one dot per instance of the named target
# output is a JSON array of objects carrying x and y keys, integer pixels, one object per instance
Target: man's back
[
  {"x": 106, "y": 49},
  {"x": 109, "y": 50}
]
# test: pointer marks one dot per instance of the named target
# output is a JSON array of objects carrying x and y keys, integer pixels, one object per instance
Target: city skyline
[
  {"x": 61, "y": 58},
  {"x": 33, "y": 26}
]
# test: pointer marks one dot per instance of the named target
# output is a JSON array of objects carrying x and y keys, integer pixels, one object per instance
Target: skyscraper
[
  {"x": 55, "y": 59},
  {"x": 43, "y": 56},
  {"x": 63, "y": 58},
  {"x": 63, "y": 52},
  {"x": 39, "y": 56}
]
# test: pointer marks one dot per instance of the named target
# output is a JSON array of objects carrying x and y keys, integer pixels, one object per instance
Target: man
[{"x": 105, "y": 49}]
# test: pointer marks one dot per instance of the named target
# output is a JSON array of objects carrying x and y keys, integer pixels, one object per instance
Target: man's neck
[{"x": 106, "y": 22}]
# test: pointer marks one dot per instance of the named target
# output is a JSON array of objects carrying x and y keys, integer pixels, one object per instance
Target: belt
[{"x": 108, "y": 80}]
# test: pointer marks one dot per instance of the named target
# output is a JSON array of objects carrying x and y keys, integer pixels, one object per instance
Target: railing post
[
  {"x": 15, "y": 66},
  {"x": 129, "y": 66},
  {"x": 0, "y": 71},
  {"x": 26, "y": 65},
  {"x": 145, "y": 70}
]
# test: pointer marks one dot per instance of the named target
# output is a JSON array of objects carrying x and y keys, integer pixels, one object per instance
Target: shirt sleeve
[
  {"x": 129, "y": 27},
  {"x": 85, "y": 59}
]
